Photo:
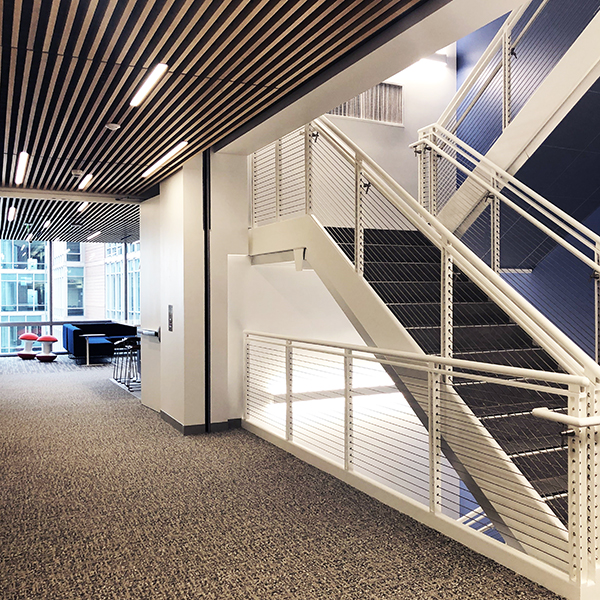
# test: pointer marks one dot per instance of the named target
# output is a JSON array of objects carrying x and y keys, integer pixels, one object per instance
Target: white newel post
[{"x": 348, "y": 411}]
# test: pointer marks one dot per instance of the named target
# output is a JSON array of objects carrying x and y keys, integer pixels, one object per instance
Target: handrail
[
  {"x": 549, "y": 415},
  {"x": 517, "y": 372},
  {"x": 495, "y": 45},
  {"x": 506, "y": 177},
  {"x": 470, "y": 263},
  {"x": 493, "y": 190}
]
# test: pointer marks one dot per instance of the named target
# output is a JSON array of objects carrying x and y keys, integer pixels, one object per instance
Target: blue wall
[{"x": 470, "y": 48}]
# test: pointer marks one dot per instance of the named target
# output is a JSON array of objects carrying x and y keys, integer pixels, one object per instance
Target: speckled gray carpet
[{"x": 100, "y": 498}]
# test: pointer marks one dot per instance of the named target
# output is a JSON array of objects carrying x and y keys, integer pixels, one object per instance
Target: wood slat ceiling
[
  {"x": 49, "y": 220},
  {"x": 69, "y": 67}
]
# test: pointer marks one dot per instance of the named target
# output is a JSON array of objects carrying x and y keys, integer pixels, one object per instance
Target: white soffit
[{"x": 449, "y": 23}]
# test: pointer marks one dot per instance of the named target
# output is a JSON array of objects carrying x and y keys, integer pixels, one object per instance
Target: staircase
[{"x": 403, "y": 267}]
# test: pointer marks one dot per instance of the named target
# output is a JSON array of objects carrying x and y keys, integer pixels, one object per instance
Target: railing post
[
  {"x": 277, "y": 180},
  {"x": 446, "y": 303},
  {"x": 359, "y": 232},
  {"x": 433, "y": 181},
  {"x": 495, "y": 233},
  {"x": 596, "y": 276},
  {"x": 245, "y": 375},
  {"x": 253, "y": 191},
  {"x": 579, "y": 498},
  {"x": 348, "y": 411},
  {"x": 289, "y": 376},
  {"x": 308, "y": 167},
  {"x": 593, "y": 470},
  {"x": 506, "y": 54},
  {"x": 435, "y": 441}
]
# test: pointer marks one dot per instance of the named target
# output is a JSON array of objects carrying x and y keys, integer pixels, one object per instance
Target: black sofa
[{"x": 101, "y": 346}]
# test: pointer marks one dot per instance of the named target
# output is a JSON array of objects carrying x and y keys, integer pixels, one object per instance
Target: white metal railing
[
  {"x": 351, "y": 196},
  {"x": 526, "y": 48},
  {"x": 361, "y": 208},
  {"x": 469, "y": 184},
  {"x": 340, "y": 403}
]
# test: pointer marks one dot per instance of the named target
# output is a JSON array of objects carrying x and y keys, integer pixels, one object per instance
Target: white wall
[
  {"x": 278, "y": 299},
  {"x": 172, "y": 274},
  {"x": 425, "y": 97},
  {"x": 229, "y": 235}
]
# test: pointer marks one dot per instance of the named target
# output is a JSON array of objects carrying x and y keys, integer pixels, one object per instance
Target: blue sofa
[{"x": 100, "y": 346}]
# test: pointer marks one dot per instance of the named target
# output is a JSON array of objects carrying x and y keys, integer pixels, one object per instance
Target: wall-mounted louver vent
[{"x": 382, "y": 103}]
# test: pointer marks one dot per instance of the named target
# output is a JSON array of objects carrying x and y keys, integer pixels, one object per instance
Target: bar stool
[
  {"x": 27, "y": 353},
  {"x": 46, "y": 355}
]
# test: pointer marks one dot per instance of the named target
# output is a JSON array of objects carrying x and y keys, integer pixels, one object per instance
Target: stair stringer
[
  {"x": 523, "y": 518},
  {"x": 564, "y": 86}
]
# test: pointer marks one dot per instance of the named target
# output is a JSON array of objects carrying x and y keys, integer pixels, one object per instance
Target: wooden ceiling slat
[
  {"x": 51, "y": 27},
  {"x": 71, "y": 13},
  {"x": 20, "y": 136},
  {"x": 16, "y": 19},
  {"x": 80, "y": 61}
]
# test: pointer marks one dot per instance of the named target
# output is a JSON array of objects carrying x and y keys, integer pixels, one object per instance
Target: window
[
  {"x": 75, "y": 291},
  {"x": 383, "y": 104},
  {"x": 114, "y": 290},
  {"x": 73, "y": 252}
]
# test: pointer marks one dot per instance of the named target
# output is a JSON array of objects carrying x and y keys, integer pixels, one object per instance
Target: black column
[{"x": 206, "y": 224}]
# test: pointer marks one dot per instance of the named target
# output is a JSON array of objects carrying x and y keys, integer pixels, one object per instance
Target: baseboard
[{"x": 198, "y": 429}]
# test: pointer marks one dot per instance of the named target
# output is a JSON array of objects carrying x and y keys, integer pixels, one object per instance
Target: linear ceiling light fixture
[
  {"x": 150, "y": 81},
  {"x": 12, "y": 213},
  {"x": 94, "y": 235},
  {"x": 29, "y": 237},
  {"x": 82, "y": 206},
  {"x": 85, "y": 181},
  {"x": 161, "y": 161},
  {"x": 47, "y": 224},
  {"x": 21, "y": 167}
]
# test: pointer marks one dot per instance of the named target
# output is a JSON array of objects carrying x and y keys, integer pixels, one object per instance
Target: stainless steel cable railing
[
  {"x": 527, "y": 47},
  {"x": 543, "y": 252},
  {"x": 340, "y": 403}
]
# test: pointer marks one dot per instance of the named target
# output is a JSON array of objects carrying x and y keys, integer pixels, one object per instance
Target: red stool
[
  {"x": 27, "y": 353},
  {"x": 46, "y": 355}
]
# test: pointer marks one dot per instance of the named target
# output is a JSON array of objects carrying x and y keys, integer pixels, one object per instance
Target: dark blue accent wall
[
  {"x": 470, "y": 48},
  {"x": 561, "y": 287}
]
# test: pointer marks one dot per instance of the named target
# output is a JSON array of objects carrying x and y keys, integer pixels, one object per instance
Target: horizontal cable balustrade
[
  {"x": 496, "y": 457},
  {"x": 339, "y": 402},
  {"x": 543, "y": 252},
  {"x": 526, "y": 48}
]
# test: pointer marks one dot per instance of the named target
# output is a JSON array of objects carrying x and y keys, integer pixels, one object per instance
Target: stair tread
[
  {"x": 546, "y": 472},
  {"x": 491, "y": 399},
  {"x": 525, "y": 433}
]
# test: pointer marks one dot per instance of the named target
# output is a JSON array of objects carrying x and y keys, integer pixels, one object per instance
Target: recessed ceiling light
[
  {"x": 94, "y": 235},
  {"x": 112, "y": 126},
  {"x": 12, "y": 212},
  {"x": 85, "y": 181},
  {"x": 150, "y": 81},
  {"x": 82, "y": 206},
  {"x": 47, "y": 224},
  {"x": 29, "y": 237},
  {"x": 161, "y": 161},
  {"x": 21, "y": 167}
]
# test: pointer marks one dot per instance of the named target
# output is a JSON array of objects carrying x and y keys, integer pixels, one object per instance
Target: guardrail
[
  {"x": 341, "y": 404},
  {"x": 514, "y": 229}
]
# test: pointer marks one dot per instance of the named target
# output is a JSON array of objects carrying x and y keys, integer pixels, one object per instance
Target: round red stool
[
  {"x": 46, "y": 355},
  {"x": 27, "y": 353}
]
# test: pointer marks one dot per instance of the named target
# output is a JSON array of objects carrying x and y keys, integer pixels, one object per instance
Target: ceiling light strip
[
  {"x": 85, "y": 181},
  {"x": 21, "y": 168},
  {"x": 161, "y": 161},
  {"x": 151, "y": 80}
]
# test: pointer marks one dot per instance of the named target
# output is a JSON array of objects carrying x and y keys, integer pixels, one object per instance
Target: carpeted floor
[{"x": 100, "y": 498}]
